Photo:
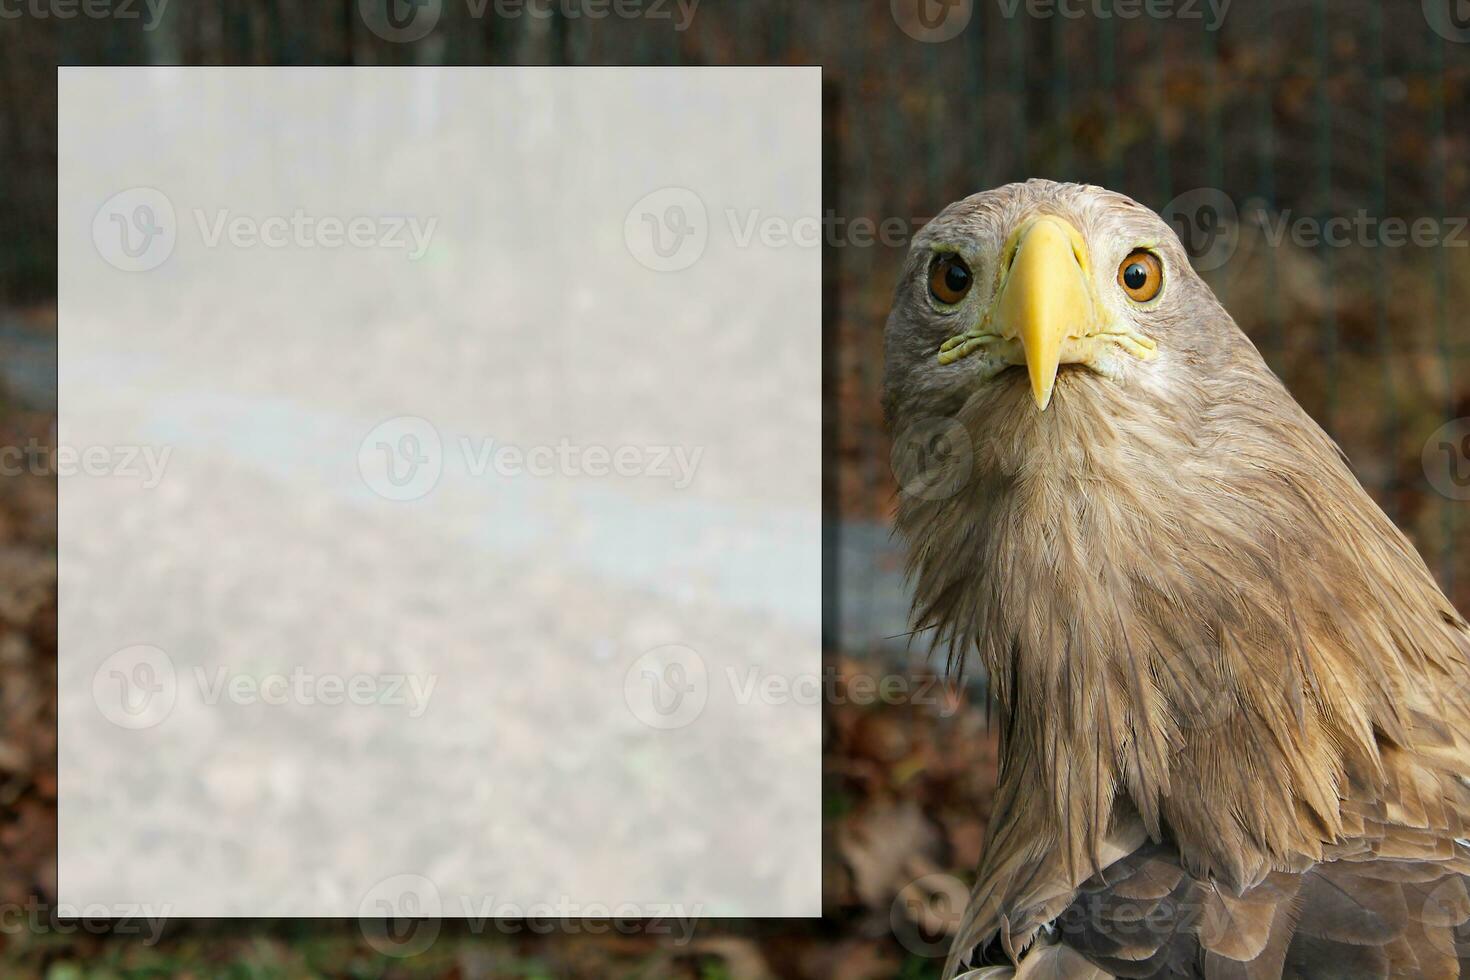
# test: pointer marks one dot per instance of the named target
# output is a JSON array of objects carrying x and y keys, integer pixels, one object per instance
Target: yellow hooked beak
[{"x": 1046, "y": 298}]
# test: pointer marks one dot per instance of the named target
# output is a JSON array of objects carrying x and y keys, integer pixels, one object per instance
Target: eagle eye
[
  {"x": 1141, "y": 275},
  {"x": 950, "y": 279}
]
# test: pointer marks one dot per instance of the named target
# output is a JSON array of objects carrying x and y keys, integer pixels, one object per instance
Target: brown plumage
[{"x": 1234, "y": 705}]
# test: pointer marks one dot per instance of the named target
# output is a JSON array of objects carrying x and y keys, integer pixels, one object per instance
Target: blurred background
[{"x": 1314, "y": 156}]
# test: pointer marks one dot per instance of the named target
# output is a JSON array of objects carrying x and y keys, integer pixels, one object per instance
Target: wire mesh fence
[
  {"x": 1315, "y": 158},
  {"x": 1313, "y": 161}
]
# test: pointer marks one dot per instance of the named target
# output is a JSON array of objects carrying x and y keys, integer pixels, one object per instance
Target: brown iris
[
  {"x": 1141, "y": 275},
  {"x": 950, "y": 279}
]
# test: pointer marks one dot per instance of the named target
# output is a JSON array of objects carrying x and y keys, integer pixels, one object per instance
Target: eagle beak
[{"x": 1046, "y": 298}]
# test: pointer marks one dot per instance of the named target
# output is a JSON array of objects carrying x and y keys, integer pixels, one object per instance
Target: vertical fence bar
[
  {"x": 1266, "y": 162},
  {"x": 1324, "y": 182},
  {"x": 868, "y": 130},
  {"x": 979, "y": 174},
  {"x": 778, "y": 34},
  {"x": 1213, "y": 150},
  {"x": 1061, "y": 98},
  {"x": 832, "y": 262},
  {"x": 1107, "y": 66},
  {"x": 1016, "y": 29},
  {"x": 1441, "y": 290},
  {"x": 935, "y": 135},
  {"x": 1390, "y": 420},
  {"x": 1165, "y": 190}
]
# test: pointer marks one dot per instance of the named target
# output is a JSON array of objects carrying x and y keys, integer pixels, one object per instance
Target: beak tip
[{"x": 1043, "y": 386}]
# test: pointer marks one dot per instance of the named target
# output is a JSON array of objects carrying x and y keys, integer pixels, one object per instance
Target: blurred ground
[
  {"x": 27, "y": 642},
  {"x": 908, "y": 771}
]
